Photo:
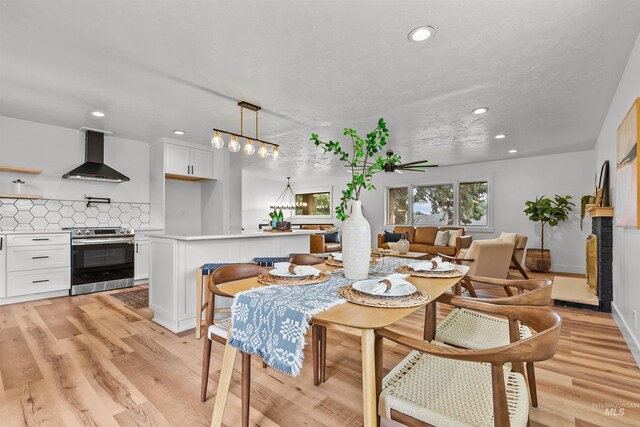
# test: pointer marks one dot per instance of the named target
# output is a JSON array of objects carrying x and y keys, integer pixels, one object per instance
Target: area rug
[
  {"x": 135, "y": 299},
  {"x": 573, "y": 290}
]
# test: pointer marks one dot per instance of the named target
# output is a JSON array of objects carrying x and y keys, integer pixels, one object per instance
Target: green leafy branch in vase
[{"x": 364, "y": 161}]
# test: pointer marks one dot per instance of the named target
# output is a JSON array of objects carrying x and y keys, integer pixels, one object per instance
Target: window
[
  {"x": 313, "y": 204},
  {"x": 464, "y": 203},
  {"x": 398, "y": 206},
  {"x": 473, "y": 203},
  {"x": 433, "y": 204}
]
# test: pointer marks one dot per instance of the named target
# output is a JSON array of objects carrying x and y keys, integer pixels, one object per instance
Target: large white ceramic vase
[{"x": 356, "y": 244}]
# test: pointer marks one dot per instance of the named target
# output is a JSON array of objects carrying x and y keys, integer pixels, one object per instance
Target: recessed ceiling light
[
  {"x": 421, "y": 34},
  {"x": 316, "y": 164},
  {"x": 480, "y": 110},
  {"x": 513, "y": 151},
  {"x": 97, "y": 113},
  {"x": 500, "y": 136},
  {"x": 179, "y": 132}
]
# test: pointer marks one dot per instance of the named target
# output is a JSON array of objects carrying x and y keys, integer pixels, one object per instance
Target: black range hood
[{"x": 94, "y": 168}]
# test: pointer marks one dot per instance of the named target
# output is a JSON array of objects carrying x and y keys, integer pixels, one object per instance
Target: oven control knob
[
  {"x": 78, "y": 232},
  {"x": 121, "y": 231},
  {"x": 86, "y": 232}
]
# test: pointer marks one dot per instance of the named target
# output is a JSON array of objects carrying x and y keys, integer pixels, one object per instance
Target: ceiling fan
[{"x": 417, "y": 166}]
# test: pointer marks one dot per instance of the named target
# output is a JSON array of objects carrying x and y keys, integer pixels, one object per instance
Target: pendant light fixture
[
  {"x": 249, "y": 148},
  {"x": 287, "y": 199}
]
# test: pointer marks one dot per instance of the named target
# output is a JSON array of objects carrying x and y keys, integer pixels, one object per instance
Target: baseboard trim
[
  {"x": 631, "y": 340},
  {"x": 563, "y": 268}
]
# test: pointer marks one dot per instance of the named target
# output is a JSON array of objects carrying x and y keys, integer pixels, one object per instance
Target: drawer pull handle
[
  {"x": 40, "y": 257},
  {"x": 40, "y": 281},
  {"x": 40, "y": 239}
]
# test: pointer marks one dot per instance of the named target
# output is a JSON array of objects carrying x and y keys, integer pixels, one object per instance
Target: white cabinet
[
  {"x": 177, "y": 160},
  {"x": 3, "y": 266},
  {"x": 201, "y": 163},
  {"x": 34, "y": 266},
  {"x": 142, "y": 259},
  {"x": 184, "y": 162}
]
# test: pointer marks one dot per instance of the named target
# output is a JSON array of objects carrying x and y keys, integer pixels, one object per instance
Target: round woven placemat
[
  {"x": 405, "y": 269},
  {"x": 416, "y": 299},
  {"x": 268, "y": 279}
]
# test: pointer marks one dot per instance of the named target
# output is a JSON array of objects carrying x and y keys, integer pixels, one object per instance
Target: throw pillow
[
  {"x": 392, "y": 237},
  {"x": 453, "y": 236},
  {"x": 332, "y": 237},
  {"x": 509, "y": 237},
  {"x": 442, "y": 238}
]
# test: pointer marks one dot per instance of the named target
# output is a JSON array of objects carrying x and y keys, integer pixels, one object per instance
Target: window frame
[
  {"x": 456, "y": 201},
  {"x": 311, "y": 190}
]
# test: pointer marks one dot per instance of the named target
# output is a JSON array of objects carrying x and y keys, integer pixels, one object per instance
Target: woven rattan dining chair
[
  {"x": 476, "y": 330},
  {"x": 437, "y": 384},
  {"x": 318, "y": 333}
]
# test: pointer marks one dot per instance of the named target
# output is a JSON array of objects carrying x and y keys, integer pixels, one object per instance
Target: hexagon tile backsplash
[{"x": 24, "y": 214}]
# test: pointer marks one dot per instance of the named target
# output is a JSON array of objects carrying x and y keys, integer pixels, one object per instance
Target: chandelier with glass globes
[{"x": 267, "y": 149}]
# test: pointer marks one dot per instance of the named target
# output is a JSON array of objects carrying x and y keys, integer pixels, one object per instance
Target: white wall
[
  {"x": 183, "y": 213},
  {"x": 514, "y": 181},
  {"x": 57, "y": 150},
  {"x": 626, "y": 241}
]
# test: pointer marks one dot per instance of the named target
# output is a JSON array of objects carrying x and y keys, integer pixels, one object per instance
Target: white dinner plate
[
  {"x": 287, "y": 275},
  {"x": 441, "y": 269},
  {"x": 366, "y": 286}
]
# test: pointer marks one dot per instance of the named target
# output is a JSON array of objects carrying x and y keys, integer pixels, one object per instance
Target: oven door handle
[{"x": 87, "y": 242}]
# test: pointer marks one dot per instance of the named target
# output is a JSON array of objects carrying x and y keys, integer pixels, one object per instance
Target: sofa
[
  {"x": 421, "y": 239},
  {"x": 317, "y": 241}
]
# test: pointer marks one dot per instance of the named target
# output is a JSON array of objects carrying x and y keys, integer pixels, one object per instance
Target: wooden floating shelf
[
  {"x": 183, "y": 177},
  {"x": 20, "y": 196},
  {"x": 605, "y": 211},
  {"x": 18, "y": 169}
]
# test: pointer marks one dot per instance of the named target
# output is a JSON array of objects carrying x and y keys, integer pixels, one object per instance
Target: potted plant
[
  {"x": 364, "y": 162},
  {"x": 545, "y": 211}
]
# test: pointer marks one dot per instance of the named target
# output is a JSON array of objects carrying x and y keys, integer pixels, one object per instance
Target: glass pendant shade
[
  {"x": 275, "y": 154},
  {"x": 249, "y": 149},
  {"x": 217, "y": 141},
  {"x": 262, "y": 152},
  {"x": 234, "y": 145}
]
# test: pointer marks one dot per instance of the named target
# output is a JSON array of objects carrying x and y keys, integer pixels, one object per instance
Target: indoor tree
[{"x": 548, "y": 211}]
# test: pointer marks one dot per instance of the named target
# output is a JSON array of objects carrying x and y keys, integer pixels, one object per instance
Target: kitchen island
[{"x": 175, "y": 261}]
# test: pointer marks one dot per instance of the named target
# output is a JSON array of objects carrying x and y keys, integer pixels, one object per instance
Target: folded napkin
[
  {"x": 435, "y": 263},
  {"x": 298, "y": 270},
  {"x": 387, "y": 283},
  {"x": 337, "y": 256}
]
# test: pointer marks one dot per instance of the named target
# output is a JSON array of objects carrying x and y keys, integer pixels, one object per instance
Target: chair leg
[
  {"x": 246, "y": 388},
  {"x": 531, "y": 377},
  {"x": 378, "y": 349},
  {"x": 206, "y": 353},
  {"x": 323, "y": 354},
  {"x": 315, "y": 344},
  {"x": 517, "y": 265},
  {"x": 264, "y": 364},
  {"x": 199, "y": 280},
  {"x": 469, "y": 286},
  {"x": 429, "y": 331}
]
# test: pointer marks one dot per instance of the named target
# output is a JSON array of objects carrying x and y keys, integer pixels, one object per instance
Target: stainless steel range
[{"x": 101, "y": 259}]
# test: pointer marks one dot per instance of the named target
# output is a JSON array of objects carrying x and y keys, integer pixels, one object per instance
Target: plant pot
[
  {"x": 356, "y": 244},
  {"x": 538, "y": 260},
  {"x": 403, "y": 246}
]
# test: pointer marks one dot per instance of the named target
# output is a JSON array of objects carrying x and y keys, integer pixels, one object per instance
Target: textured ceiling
[{"x": 547, "y": 70}]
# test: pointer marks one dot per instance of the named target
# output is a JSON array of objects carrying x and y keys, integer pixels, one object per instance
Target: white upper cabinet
[
  {"x": 177, "y": 160},
  {"x": 184, "y": 162}
]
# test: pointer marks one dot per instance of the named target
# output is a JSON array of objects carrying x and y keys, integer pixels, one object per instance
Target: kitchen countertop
[
  {"x": 244, "y": 235},
  {"x": 34, "y": 232}
]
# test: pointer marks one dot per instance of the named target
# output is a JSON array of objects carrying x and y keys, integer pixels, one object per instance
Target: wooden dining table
[{"x": 358, "y": 318}]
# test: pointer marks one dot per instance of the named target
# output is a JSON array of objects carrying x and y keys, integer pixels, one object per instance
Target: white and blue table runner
[{"x": 272, "y": 321}]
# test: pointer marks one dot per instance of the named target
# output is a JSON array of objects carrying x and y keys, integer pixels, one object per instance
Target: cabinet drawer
[
  {"x": 38, "y": 239},
  {"x": 34, "y": 258},
  {"x": 34, "y": 282}
]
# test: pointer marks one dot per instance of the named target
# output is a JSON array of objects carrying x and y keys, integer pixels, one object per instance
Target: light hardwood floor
[{"x": 89, "y": 360}]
